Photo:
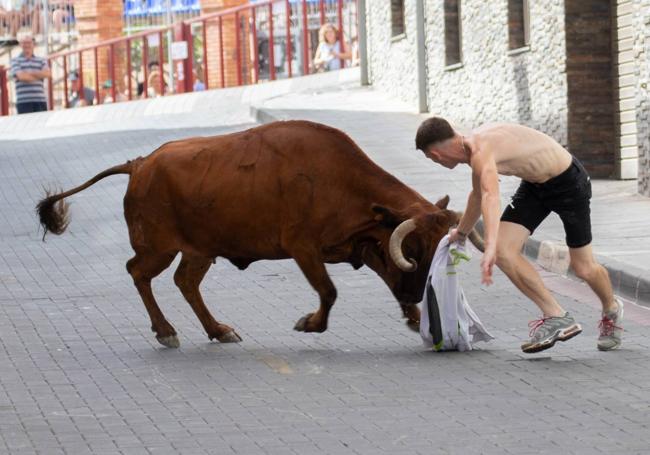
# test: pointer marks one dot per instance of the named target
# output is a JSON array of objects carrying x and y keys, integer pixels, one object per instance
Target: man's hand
[
  {"x": 487, "y": 264},
  {"x": 456, "y": 236}
]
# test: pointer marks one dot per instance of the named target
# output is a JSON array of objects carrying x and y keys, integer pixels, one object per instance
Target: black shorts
[{"x": 567, "y": 194}]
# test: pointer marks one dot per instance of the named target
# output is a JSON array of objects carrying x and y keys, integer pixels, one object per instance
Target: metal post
[
  {"x": 46, "y": 24},
  {"x": 189, "y": 62},
  {"x": 112, "y": 72},
  {"x": 223, "y": 71},
  {"x": 271, "y": 45},
  {"x": 288, "y": 47},
  {"x": 170, "y": 21},
  {"x": 363, "y": 42},
  {"x": 238, "y": 48},
  {"x": 65, "y": 81},
  {"x": 97, "y": 73},
  {"x": 205, "y": 55},
  {"x": 339, "y": 13},
  {"x": 423, "y": 104},
  {"x": 305, "y": 39},
  {"x": 4, "y": 96},
  {"x": 256, "y": 55},
  {"x": 50, "y": 88},
  {"x": 145, "y": 66},
  {"x": 129, "y": 70},
  {"x": 321, "y": 7},
  {"x": 161, "y": 70},
  {"x": 80, "y": 72}
]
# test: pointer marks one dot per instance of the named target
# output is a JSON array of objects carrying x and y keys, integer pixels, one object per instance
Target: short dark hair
[{"x": 432, "y": 131}]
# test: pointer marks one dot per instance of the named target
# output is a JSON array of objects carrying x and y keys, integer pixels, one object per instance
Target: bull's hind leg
[
  {"x": 188, "y": 277},
  {"x": 318, "y": 277},
  {"x": 143, "y": 267}
]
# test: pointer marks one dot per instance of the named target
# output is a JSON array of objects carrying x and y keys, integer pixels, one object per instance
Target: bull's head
[{"x": 403, "y": 257}]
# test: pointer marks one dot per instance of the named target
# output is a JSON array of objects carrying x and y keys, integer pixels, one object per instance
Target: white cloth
[{"x": 447, "y": 322}]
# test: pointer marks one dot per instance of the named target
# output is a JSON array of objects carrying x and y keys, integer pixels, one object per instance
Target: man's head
[
  {"x": 75, "y": 83},
  {"x": 27, "y": 45},
  {"x": 440, "y": 142}
]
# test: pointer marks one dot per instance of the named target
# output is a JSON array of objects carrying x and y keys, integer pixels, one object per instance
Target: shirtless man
[{"x": 552, "y": 180}]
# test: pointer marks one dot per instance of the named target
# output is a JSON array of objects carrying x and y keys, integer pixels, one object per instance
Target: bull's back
[{"x": 247, "y": 188}]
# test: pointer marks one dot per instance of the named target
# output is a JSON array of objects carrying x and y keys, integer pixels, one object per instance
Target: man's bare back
[{"x": 521, "y": 151}]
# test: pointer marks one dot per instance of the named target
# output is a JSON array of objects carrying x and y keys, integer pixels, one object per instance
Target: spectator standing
[
  {"x": 10, "y": 17},
  {"x": 80, "y": 94},
  {"x": 29, "y": 71},
  {"x": 328, "y": 54}
]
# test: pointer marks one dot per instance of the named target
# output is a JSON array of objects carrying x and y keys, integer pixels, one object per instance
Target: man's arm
[
  {"x": 472, "y": 210},
  {"x": 484, "y": 166},
  {"x": 43, "y": 74},
  {"x": 28, "y": 76}
]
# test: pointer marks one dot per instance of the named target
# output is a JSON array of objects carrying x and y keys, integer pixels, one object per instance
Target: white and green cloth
[{"x": 447, "y": 322}]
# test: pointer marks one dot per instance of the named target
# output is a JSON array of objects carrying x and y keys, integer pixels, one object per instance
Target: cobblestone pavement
[{"x": 81, "y": 373}]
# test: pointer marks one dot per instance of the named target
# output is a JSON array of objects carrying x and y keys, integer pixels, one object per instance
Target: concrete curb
[{"x": 627, "y": 280}]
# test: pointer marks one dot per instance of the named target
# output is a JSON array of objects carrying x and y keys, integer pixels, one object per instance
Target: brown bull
[{"x": 293, "y": 189}]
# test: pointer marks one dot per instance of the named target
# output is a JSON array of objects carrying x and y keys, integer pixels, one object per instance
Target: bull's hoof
[
  {"x": 170, "y": 341},
  {"x": 413, "y": 325},
  {"x": 301, "y": 325},
  {"x": 229, "y": 337}
]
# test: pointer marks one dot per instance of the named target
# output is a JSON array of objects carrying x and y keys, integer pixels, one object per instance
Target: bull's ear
[
  {"x": 443, "y": 217},
  {"x": 386, "y": 216},
  {"x": 442, "y": 203}
]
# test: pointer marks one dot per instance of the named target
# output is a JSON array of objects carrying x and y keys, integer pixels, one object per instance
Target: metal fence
[{"x": 261, "y": 41}]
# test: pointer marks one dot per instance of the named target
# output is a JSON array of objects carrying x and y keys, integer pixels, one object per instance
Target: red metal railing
[
  {"x": 247, "y": 44},
  {"x": 4, "y": 95}
]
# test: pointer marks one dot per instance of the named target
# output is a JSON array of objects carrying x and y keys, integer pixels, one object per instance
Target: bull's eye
[{"x": 379, "y": 243}]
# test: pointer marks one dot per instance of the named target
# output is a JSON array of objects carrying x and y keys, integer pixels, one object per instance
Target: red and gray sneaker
[
  {"x": 611, "y": 328},
  {"x": 545, "y": 332}
]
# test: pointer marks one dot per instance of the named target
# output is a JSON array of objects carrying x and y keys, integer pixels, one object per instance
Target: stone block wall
[
  {"x": 626, "y": 88},
  {"x": 583, "y": 79},
  {"x": 393, "y": 64},
  {"x": 590, "y": 83},
  {"x": 642, "y": 97},
  {"x": 494, "y": 83}
]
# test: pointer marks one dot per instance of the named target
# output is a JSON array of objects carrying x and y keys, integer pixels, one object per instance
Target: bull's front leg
[
  {"x": 318, "y": 277},
  {"x": 411, "y": 313}
]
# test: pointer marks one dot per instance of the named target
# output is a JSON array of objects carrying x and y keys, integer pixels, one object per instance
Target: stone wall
[
  {"x": 590, "y": 83},
  {"x": 393, "y": 65},
  {"x": 494, "y": 83},
  {"x": 626, "y": 85},
  {"x": 642, "y": 60},
  {"x": 580, "y": 80}
]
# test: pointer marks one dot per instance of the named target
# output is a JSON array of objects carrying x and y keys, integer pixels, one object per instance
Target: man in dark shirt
[
  {"x": 29, "y": 71},
  {"x": 81, "y": 94}
]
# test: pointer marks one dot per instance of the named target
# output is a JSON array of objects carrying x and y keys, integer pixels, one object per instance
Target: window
[
  {"x": 518, "y": 24},
  {"x": 397, "y": 17},
  {"x": 452, "y": 32}
]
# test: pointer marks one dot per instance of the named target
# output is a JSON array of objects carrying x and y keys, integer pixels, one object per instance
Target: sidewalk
[{"x": 385, "y": 129}]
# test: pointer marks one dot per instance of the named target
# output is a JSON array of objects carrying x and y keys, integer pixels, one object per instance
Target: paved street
[{"x": 81, "y": 373}]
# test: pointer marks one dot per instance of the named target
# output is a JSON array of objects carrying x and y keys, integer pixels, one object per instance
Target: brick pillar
[
  {"x": 100, "y": 20},
  {"x": 592, "y": 122},
  {"x": 229, "y": 43}
]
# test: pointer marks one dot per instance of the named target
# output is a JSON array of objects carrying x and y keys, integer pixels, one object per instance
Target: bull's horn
[
  {"x": 476, "y": 240},
  {"x": 395, "y": 246}
]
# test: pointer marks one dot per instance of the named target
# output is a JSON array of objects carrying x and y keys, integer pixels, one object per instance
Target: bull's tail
[{"x": 53, "y": 211}]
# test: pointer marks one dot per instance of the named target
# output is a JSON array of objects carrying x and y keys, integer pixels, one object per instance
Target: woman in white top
[{"x": 328, "y": 54}]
